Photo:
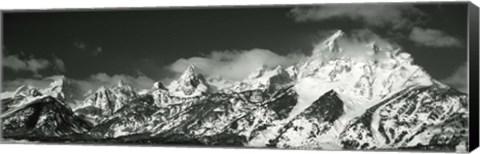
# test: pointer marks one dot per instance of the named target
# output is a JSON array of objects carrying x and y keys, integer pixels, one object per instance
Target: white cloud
[
  {"x": 395, "y": 15},
  {"x": 14, "y": 63},
  {"x": 235, "y": 65},
  {"x": 31, "y": 64},
  {"x": 459, "y": 79},
  {"x": 433, "y": 38}
]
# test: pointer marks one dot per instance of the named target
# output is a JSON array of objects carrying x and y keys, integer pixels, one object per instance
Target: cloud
[
  {"x": 235, "y": 65},
  {"x": 433, "y": 38},
  {"x": 153, "y": 69},
  {"x": 59, "y": 64},
  {"x": 459, "y": 79},
  {"x": 14, "y": 63},
  {"x": 30, "y": 64},
  {"x": 396, "y": 17},
  {"x": 377, "y": 15}
]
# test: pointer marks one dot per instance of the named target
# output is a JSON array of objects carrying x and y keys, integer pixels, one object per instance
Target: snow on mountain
[
  {"x": 339, "y": 98},
  {"x": 123, "y": 93},
  {"x": 263, "y": 78},
  {"x": 111, "y": 99},
  {"x": 431, "y": 118},
  {"x": 138, "y": 116},
  {"x": 66, "y": 90},
  {"x": 21, "y": 96},
  {"x": 105, "y": 101},
  {"x": 313, "y": 128},
  {"x": 364, "y": 82},
  {"x": 189, "y": 84},
  {"x": 162, "y": 97},
  {"x": 42, "y": 119}
]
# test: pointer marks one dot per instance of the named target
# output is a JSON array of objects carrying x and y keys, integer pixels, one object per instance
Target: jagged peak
[
  {"x": 189, "y": 83},
  {"x": 159, "y": 85},
  {"x": 190, "y": 70},
  {"x": 330, "y": 44},
  {"x": 334, "y": 36},
  {"x": 189, "y": 73}
]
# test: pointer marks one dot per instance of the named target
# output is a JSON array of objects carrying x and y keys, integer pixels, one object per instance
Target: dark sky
[{"x": 132, "y": 41}]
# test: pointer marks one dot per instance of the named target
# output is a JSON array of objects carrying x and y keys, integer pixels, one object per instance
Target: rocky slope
[{"x": 43, "y": 117}]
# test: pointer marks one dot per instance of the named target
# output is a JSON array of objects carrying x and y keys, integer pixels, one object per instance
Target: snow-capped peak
[
  {"x": 189, "y": 72},
  {"x": 331, "y": 40},
  {"x": 189, "y": 84},
  {"x": 366, "y": 73},
  {"x": 330, "y": 44},
  {"x": 159, "y": 85},
  {"x": 110, "y": 99}
]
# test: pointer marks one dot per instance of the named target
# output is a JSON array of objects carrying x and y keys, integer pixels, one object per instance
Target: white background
[{"x": 90, "y": 149}]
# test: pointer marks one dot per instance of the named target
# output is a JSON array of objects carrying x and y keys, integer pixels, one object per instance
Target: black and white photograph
[{"x": 353, "y": 76}]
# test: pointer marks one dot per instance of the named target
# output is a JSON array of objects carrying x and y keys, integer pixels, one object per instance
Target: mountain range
[{"x": 330, "y": 100}]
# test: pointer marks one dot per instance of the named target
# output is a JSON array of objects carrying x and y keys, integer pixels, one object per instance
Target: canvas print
[{"x": 367, "y": 76}]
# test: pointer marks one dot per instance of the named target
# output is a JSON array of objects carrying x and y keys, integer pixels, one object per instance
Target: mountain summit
[{"x": 189, "y": 84}]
